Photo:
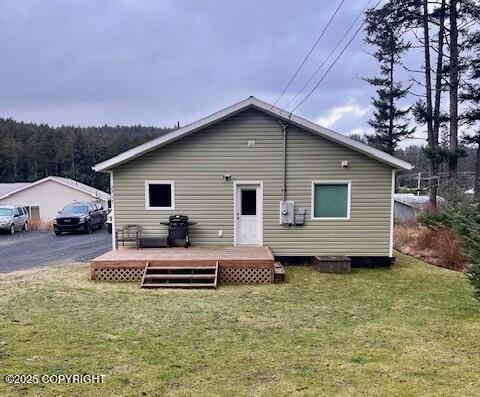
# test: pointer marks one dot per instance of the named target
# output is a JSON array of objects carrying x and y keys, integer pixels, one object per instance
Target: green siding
[{"x": 197, "y": 163}]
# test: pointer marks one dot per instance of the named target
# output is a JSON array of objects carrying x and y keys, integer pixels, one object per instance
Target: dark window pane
[
  {"x": 160, "y": 195},
  {"x": 249, "y": 202}
]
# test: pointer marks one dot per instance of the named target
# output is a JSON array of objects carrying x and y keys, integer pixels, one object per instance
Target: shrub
[
  {"x": 403, "y": 234},
  {"x": 434, "y": 219},
  {"x": 473, "y": 275},
  {"x": 444, "y": 243},
  {"x": 38, "y": 224},
  {"x": 465, "y": 221},
  {"x": 424, "y": 239}
]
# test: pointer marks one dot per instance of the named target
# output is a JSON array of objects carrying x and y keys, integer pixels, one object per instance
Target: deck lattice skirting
[
  {"x": 250, "y": 275},
  {"x": 119, "y": 274},
  {"x": 227, "y": 275}
]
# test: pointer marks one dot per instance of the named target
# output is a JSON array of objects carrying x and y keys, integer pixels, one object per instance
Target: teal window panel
[{"x": 330, "y": 200}]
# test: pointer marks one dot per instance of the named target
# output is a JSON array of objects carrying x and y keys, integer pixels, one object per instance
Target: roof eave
[
  {"x": 138, "y": 151},
  {"x": 107, "y": 165},
  {"x": 54, "y": 179}
]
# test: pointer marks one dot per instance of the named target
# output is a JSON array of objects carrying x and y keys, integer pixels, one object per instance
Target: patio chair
[{"x": 129, "y": 233}]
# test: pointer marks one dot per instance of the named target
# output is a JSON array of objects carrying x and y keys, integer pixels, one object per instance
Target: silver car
[{"x": 13, "y": 217}]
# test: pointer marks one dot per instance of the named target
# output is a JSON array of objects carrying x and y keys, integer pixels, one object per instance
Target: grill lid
[{"x": 178, "y": 218}]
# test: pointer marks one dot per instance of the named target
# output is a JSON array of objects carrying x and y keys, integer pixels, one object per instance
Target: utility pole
[{"x": 419, "y": 183}]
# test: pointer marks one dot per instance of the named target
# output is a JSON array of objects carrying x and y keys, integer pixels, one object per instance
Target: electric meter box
[{"x": 287, "y": 212}]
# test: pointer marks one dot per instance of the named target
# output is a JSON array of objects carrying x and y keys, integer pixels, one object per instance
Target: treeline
[
  {"x": 29, "y": 152},
  {"x": 416, "y": 155},
  {"x": 407, "y": 181}
]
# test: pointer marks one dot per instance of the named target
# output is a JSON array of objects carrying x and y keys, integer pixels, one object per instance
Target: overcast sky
[{"x": 157, "y": 62}]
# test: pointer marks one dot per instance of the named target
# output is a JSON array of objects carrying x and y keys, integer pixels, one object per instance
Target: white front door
[{"x": 248, "y": 214}]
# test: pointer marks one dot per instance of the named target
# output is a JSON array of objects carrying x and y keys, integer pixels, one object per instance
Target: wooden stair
[
  {"x": 279, "y": 273},
  {"x": 180, "y": 276}
]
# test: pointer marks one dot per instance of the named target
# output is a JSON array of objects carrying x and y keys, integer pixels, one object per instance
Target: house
[
  {"x": 408, "y": 205},
  {"x": 45, "y": 197},
  {"x": 253, "y": 174}
]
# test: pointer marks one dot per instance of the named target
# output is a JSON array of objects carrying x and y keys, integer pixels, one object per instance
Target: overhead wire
[
  {"x": 310, "y": 52},
  {"x": 333, "y": 63},
  {"x": 329, "y": 56}
]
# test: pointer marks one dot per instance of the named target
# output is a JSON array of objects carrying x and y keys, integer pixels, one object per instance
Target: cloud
[
  {"x": 94, "y": 62},
  {"x": 337, "y": 113}
]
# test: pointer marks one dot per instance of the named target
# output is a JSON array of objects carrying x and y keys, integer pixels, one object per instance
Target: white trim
[
  {"x": 147, "y": 195},
  {"x": 105, "y": 196},
  {"x": 392, "y": 211},
  {"x": 407, "y": 204},
  {"x": 252, "y": 102},
  {"x": 259, "y": 208},
  {"x": 112, "y": 207},
  {"x": 349, "y": 200}
]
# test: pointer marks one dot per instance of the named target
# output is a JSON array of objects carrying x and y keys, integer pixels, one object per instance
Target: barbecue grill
[{"x": 178, "y": 230}]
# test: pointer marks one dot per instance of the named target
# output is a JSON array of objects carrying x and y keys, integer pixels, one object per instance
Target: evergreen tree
[
  {"x": 472, "y": 96},
  {"x": 389, "y": 120},
  {"x": 29, "y": 152},
  {"x": 462, "y": 15}
]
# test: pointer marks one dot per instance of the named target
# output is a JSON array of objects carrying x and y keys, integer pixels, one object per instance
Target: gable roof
[
  {"x": 10, "y": 187},
  {"x": 254, "y": 103},
  {"x": 95, "y": 193},
  {"x": 417, "y": 202}
]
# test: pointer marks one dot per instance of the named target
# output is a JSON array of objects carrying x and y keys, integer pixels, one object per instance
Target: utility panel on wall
[{"x": 287, "y": 212}]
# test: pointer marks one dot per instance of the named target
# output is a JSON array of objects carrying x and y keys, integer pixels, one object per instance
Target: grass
[{"x": 410, "y": 330}]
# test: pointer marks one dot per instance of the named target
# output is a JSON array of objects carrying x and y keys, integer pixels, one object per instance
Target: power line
[
  {"x": 333, "y": 64},
  {"x": 310, "y": 52},
  {"x": 329, "y": 55}
]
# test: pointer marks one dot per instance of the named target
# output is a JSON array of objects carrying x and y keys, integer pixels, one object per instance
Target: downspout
[{"x": 284, "y": 130}]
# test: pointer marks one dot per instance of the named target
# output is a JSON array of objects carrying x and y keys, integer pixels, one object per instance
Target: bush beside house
[{"x": 464, "y": 222}]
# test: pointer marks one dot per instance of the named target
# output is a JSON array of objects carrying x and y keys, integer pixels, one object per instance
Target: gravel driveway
[{"x": 30, "y": 249}]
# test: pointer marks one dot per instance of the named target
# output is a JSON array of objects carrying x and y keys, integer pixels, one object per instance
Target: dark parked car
[{"x": 80, "y": 217}]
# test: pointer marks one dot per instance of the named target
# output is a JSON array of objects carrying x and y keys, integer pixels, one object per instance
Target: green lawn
[{"x": 410, "y": 330}]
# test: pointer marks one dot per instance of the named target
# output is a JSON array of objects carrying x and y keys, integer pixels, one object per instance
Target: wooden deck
[
  {"x": 242, "y": 257},
  {"x": 234, "y": 264}
]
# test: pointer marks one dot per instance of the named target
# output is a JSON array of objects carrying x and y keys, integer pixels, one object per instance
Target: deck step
[
  {"x": 332, "y": 264},
  {"x": 179, "y": 276},
  {"x": 182, "y": 267},
  {"x": 179, "y": 285},
  {"x": 279, "y": 272}
]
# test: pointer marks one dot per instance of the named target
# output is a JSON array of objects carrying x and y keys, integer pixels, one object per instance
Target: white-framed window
[
  {"x": 331, "y": 200},
  {"x": 33, "y": 212},
  {"x": 159, "y": 195}
]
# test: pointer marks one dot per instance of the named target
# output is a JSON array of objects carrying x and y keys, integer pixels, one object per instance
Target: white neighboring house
[{"x": 45, "y": 197}]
